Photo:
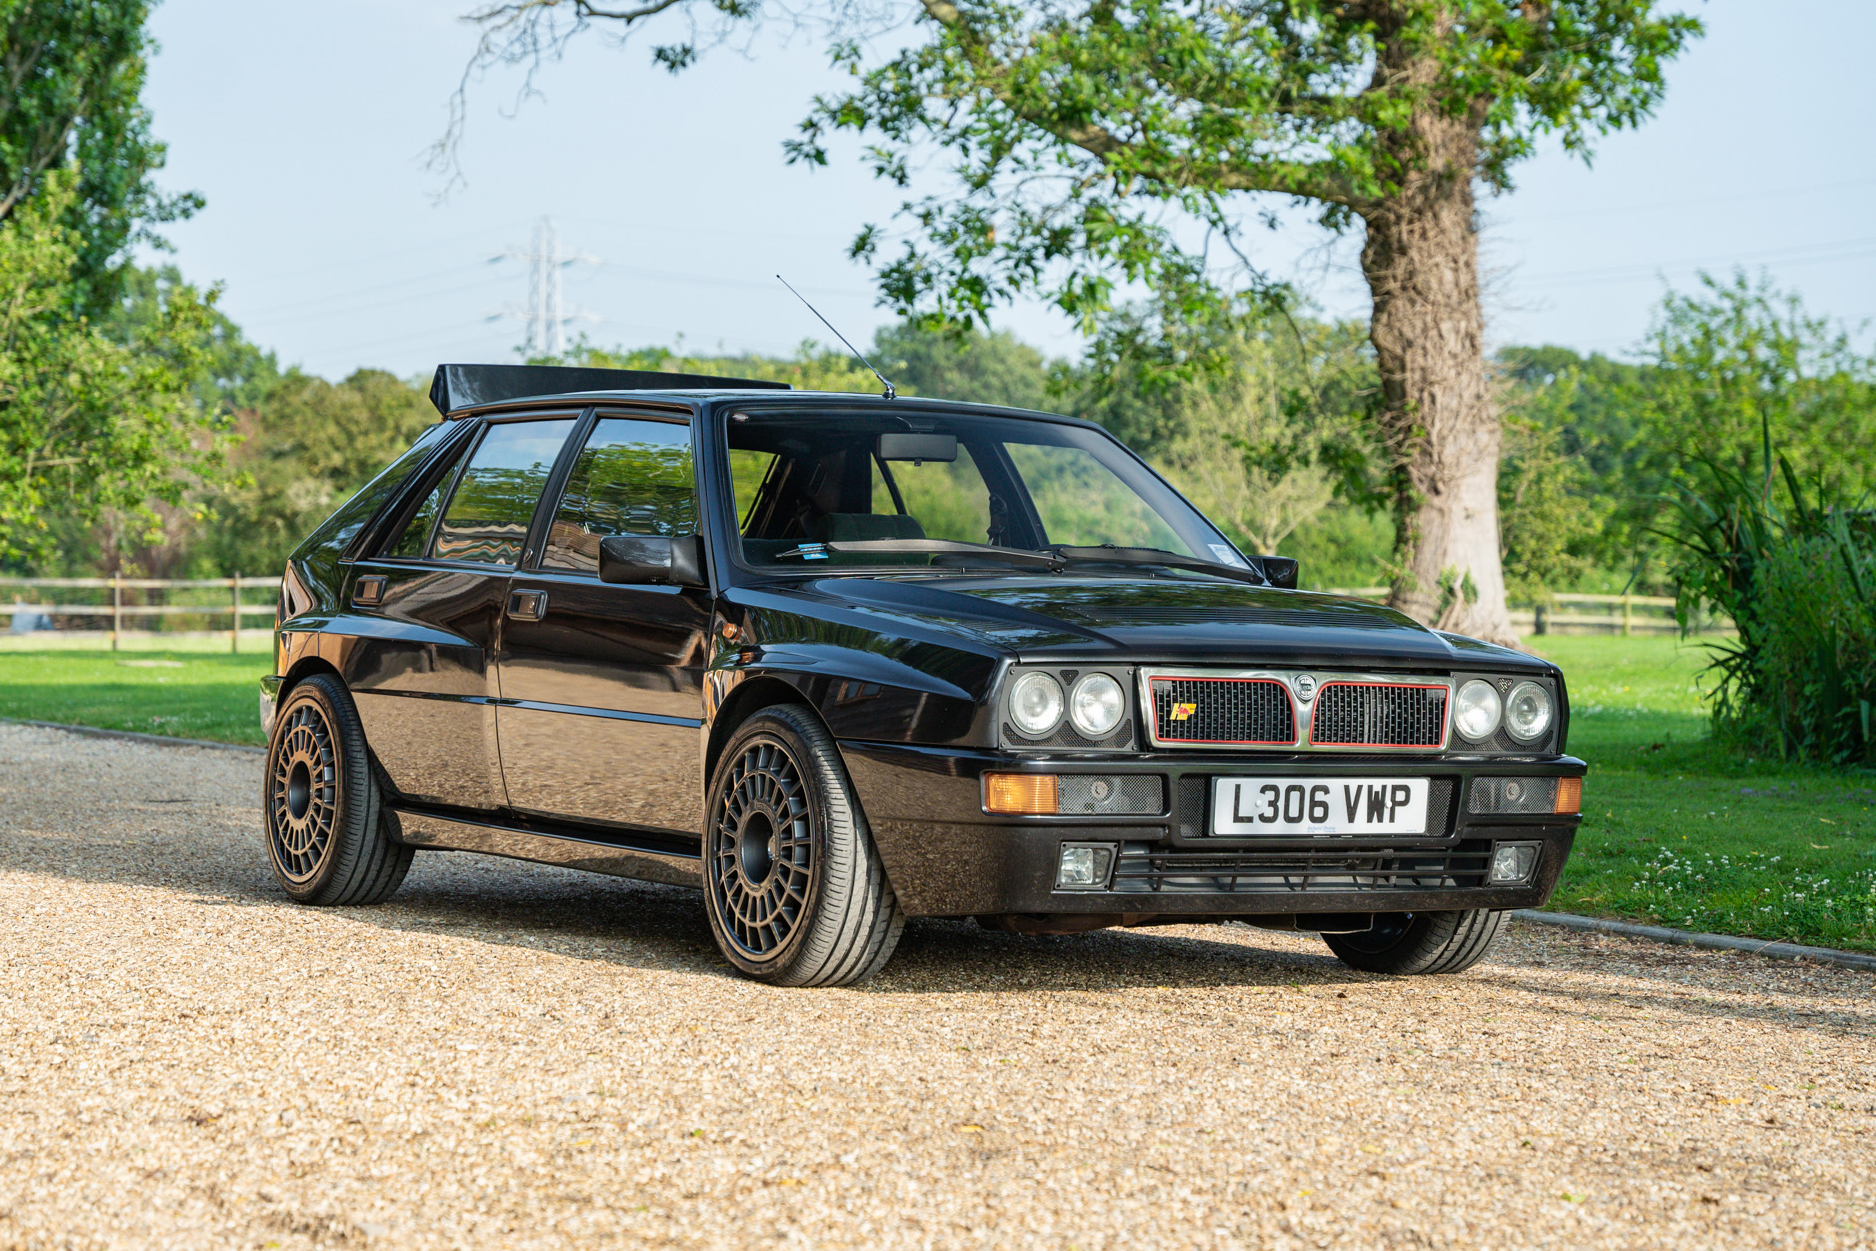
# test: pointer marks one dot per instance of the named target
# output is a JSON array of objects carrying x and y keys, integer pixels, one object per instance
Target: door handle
[
  {"x": 369, "y": 590},
  {"x": 527, "y": 605}
]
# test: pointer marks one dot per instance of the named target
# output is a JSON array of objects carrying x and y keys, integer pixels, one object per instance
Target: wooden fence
[
  {"x": 1571, "y": 613},
  {"x": 129, "y": 601}
]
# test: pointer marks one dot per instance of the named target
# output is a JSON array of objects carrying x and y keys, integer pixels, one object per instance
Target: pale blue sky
[{"x": 304, "y": 126}]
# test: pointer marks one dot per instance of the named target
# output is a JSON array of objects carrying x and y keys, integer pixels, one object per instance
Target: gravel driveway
[{"x": 516, "y": 1056}]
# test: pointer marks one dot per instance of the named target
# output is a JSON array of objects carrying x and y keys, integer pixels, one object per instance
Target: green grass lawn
[
  {"x": 1680, "y": 831},
  {"x": 184, "y": 694},
  {"x": 1676, "y": 830}
]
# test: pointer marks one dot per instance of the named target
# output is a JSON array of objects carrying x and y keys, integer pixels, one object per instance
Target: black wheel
[
  {"x": 1420, "y": 942},
  {"x": 330, "y": 837},
  {"x": 792, "y": 883}
]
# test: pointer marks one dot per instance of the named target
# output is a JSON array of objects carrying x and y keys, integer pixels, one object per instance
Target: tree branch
[{"x": 1306, "y": 179}]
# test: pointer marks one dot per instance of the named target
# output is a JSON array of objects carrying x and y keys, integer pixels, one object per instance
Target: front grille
[
  {"x": 1377, "y": 714},
  {"x": 1140, "y": 870},
  {"x": 1251, "y": 711}
]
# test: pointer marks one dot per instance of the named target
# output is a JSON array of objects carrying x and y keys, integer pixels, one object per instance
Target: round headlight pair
[
  {"x": 1526, "y": 714},
  {"x": 1094, "y": 706}
]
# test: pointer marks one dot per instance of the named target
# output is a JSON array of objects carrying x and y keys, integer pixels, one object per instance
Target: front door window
[{"x": 632, "y": 477}]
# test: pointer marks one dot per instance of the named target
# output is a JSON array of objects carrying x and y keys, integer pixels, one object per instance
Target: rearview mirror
[
  {"x": 939, "y": 447},
  {"x": 1281, "y": 570},
  {"x": 654, "y": 558}
]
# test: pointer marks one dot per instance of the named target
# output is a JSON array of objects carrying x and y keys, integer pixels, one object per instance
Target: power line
[{"x": 1842, "y": 249}]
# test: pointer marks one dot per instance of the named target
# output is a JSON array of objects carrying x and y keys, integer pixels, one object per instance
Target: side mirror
[
  {"x": 640, "y": 558},
  {"x": 1281, "y": 570}
]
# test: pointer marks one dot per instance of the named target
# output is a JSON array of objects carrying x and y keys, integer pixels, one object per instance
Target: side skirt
[{"x": 566, "y": 849}]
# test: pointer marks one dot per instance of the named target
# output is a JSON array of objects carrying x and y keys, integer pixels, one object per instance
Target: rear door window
[
  {"x": 414, "y": 539},
  {"x": 487, "y": 518},
  {"x": 632, "y": 477}
]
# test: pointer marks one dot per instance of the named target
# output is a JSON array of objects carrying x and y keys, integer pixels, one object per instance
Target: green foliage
[
  {"x": 968, "y": 365},
  {"x": 1550, "y": 516},
  {"x": 71, "y": 92},
  {"x": 91, "y": 425},
  {"x": 1798, "y": 577},
  {"x": 306, "y": 447},
  {"x": 812, "y": 368},
  {"x": 1606, "y": 445},
  {"x": 1072, "y": 126},
  {"x": 1273, "y": 435},
  {"x": 1738, "y": 357}
]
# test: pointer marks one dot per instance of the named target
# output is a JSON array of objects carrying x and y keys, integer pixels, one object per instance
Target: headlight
[
  {"x": 1528, "y": 712},
  {"x": 1036, "y": 704},
  {"x": 1477, "y": 710},
  {"x": 1096, "y": 705}
]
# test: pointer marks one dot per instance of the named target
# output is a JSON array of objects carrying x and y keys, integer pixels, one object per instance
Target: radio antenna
[{"x": 890, "y": 393}]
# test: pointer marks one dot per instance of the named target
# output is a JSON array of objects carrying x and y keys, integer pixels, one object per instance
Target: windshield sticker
[{"x": 1224, "y": 554}]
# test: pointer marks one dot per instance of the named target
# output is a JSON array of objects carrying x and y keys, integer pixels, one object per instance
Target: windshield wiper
[
  {"x": 921, "y": 547},
  {"x": 1108, "y": 554}
]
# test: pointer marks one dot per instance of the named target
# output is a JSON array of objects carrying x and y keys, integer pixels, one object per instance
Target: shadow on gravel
[{"x": 641, "y": 925}]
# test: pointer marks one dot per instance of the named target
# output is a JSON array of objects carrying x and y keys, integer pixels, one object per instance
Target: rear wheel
[
  {"x": 330, "y": 837},
  {"x": 793, "y": 886},
  {"x": 1420, "y": 942}
]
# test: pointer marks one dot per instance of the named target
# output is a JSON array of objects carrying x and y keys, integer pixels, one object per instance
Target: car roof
[{"x": 768, "y": 399}]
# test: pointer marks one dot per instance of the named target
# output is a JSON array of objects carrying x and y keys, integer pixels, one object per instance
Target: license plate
[{"x": 1253, "y": 806}]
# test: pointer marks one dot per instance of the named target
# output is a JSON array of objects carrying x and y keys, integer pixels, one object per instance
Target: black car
[{"x": 839, "y": 660}]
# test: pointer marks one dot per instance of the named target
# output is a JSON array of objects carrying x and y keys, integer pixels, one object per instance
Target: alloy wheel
[
  {"x": 303, "y": 794},
  {"x": 761, "y": 855}
]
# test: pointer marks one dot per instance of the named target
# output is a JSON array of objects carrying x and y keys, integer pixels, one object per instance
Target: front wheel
[
  {"x": 330, "y": 836},
  {"x": 1420, "y": 942},
  {"x": 793, "y": 885}
]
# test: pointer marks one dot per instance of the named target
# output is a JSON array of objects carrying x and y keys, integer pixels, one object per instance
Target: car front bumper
[{"x": 946, "y": 856}]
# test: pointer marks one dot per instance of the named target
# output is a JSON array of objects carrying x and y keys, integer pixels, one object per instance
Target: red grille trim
[
  {"x": 1161, "y": 737},
  {"x": 1445, "y": 713}
]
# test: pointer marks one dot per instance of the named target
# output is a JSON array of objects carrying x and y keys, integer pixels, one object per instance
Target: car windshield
[{"x": 945, "y": 490}]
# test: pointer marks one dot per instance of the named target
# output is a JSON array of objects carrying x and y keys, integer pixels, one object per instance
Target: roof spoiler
[{"x": 457, "y": 387}]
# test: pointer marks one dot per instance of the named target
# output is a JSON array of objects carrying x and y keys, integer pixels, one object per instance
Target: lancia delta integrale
[{"x": 841, "y": 660}]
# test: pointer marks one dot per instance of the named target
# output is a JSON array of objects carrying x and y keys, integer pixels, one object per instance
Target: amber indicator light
[
  {"x": 1028, "y": 794},
  {"x": 1569, "y": 795}
]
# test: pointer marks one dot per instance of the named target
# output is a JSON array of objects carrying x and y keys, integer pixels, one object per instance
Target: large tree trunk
[{"x": 1438, "y": 416}]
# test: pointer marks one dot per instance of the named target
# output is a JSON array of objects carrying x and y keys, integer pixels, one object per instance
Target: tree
[
  {"x": 1117, "y": 141},
  {"x": 90, "y": 425},
  {"x": 1739, "y": 358},
  {"x": 71, "y": 80},
  {"x": 307, "y": 446},
  {"x": 969, "y": 365}
]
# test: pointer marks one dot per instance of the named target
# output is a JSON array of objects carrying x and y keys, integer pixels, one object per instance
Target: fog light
[
  {"x": 1084, "y": 866},
  {"x": 1020, "y": 794},
  {"x": 1512, "y": 863}
]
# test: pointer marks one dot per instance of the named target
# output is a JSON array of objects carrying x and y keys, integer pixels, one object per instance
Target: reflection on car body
[{"x": 840, "y": 660}]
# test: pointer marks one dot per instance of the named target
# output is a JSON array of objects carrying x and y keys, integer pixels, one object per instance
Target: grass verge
[
  {"x": 1681, "y": 831},
  {"x": 178, "y": 693}
]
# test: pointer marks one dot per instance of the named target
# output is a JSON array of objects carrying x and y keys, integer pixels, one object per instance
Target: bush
[
  {"x": 1798, "y": 578},
  {"x": 1814, "y": 613}
]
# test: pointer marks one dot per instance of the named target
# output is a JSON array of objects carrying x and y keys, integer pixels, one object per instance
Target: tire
[
  {"x": 793, "y": 886},
  {"x": 330, "y": 837},
  {"x": 1420, "y": 942}
]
